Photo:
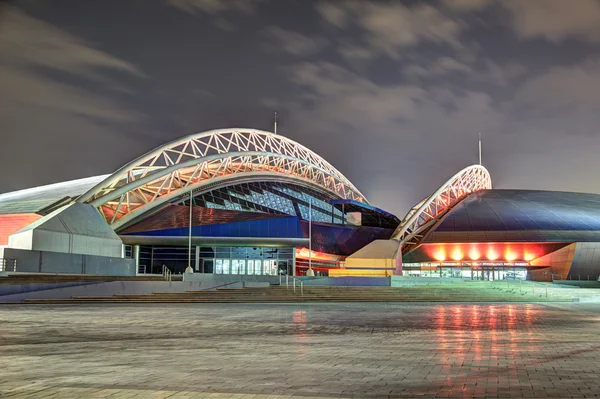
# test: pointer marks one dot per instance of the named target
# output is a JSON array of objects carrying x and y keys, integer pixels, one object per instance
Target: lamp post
[
  {"x": 310, "y": 271},
  {"x": 190, "y": 235}
]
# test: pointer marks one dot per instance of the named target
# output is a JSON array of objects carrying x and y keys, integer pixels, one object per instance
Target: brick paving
[{"x": 359, "y": 350}]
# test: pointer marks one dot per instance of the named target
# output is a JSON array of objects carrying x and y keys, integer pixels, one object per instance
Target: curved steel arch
[
  {"x": 426, "y": 213},
  {"x": 198, "y": 160}
]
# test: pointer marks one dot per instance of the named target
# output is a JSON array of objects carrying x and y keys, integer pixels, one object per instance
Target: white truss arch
[
  {"x": 426, "y": 213},
  {"x": 206, "y": 160}
]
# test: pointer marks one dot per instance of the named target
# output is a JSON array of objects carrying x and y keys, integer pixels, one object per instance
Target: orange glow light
[
  {"x": 474, "y": 253},
  {"x": 492, "y": 251},
  {"x": 510, "y": 255},
  {"x": 456, "y": 254},
  {"x": 492, "y": 254},
  {"x": 440, "y": 254}
]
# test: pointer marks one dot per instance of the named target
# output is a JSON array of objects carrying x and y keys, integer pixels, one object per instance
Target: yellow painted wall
[
  {"x": 360, "y": 273},
  {"x": 371, "y": 263}
]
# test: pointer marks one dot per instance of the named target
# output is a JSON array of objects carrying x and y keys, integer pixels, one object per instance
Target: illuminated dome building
[
  {"x": 466, "y": 229},
  {"x": 252, "y": 194}
]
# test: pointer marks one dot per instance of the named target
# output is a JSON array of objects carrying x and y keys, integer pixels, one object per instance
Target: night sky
[{"x": 393, "y": 94}]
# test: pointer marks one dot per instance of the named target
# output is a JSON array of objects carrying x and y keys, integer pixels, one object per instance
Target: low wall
[
  {"x": 404, "y": 281},
  {"x": 19, "y": 292},
  {"x": 12, "y": 289},
  {"x": 230, "y": 278},
  {"x": 346, "y": 281},
  {"x": 577, "y": 283},
  {"x": 29, "y": 261}
]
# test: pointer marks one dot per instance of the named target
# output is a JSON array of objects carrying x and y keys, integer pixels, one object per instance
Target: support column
[
  {"x": 136, "y": 255},
  {"x": 197, "y": 262},
  {"x": 398, "y": 271},
  {"x": 294, "y": 262}
]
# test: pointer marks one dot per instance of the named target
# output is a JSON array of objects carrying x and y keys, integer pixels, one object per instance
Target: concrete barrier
[
  {"x": 578, "y": 283},
  {"x": 230, "y": 278},
  {"x": 407, "y": 281},
  {"x": 107, "y": 289}
]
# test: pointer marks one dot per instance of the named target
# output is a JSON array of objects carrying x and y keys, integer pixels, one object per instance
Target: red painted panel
[{"x": 11, "y": 223}]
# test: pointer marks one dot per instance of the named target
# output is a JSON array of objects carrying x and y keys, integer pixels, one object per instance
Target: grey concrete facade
[
  {"x": 586, "y": 261},
  {"x": 68, "y": 290},
  {"x": 29, "y": 261},
  {"x": 73, "y": 229}
]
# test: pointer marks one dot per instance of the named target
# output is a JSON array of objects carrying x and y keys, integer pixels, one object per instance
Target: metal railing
[
  {"x": 524, "y": 286},
  {"x": 543, "y": 286},
  {"x": 294, "y": 279},
  {"x": 166, "y": 273},
  {"x": 576, "y": 277},
  {"x": 8, "y": 265}
]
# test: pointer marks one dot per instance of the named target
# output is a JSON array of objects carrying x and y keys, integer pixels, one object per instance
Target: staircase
[{"x": 467, "y": 292}]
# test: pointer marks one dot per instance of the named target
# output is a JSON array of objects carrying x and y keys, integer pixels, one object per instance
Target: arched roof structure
[
  {"x": 428, "y": 212},
  {"x": 208, "y": 160},
  {"x": 520, "y": 216}
]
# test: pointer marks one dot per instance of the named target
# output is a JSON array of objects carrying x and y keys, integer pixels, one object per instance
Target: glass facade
[
  {"x": 219, "y": 260},
  {"x": 246, "y": 260},
  {"x": 272, "y": 197},
  {"x": 483, "y": 271}
]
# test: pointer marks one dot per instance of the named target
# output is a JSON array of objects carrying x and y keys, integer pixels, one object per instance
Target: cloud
[
  {"x": 467, "y": 5},
  {"x": 390, "y": 27},
  {"x": 217, "y": 8},
  {"x": 387, "y": 130},
  {"x": 441, "y": 66},
  {"x": 214, "y": 7},
  {"x": 33, "y": 49},
  {"x": 555, "y": 20},
  {"x": 564, "y": 88},
  {"x": 498, "y": 74},
  {"x": 292, "y": 42},
  {"x": 31, "y": 43},
  {"x": 337, "y": 14},
  {"x": 335, "y": 95},
  {"x": 354, "y": 53},
  {"x": 61, "y": 102}
]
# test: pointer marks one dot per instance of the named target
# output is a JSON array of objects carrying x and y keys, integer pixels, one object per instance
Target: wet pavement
[{"x": 305, "y": 350}]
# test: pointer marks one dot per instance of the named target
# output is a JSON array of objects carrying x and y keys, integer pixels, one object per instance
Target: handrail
[
  {"x": 532, "y": 287},
  {"x": 166, "y": 273},
  {"x": 294, "y": 279},
  {"x": 216, "y": 287},
  {"x": 8, "y": 265}
]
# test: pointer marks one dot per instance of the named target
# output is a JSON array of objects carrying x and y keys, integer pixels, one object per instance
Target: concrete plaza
[{"x": 305, "y": 350}]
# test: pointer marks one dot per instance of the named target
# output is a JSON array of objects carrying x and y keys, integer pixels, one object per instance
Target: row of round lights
[{"x": 475, "y": 253}]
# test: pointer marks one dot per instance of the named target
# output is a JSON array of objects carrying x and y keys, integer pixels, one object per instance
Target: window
[
  {"x": 235, "y": 266},
  {"x": 225, "y": 266},
  {"x": 257, "y": 267}
]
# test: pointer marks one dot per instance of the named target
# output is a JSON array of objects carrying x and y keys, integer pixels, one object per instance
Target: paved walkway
[{"x": 310, "y": 350}]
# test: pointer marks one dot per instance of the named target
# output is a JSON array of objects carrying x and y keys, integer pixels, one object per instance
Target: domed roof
[{"x": 521, "y": 215}]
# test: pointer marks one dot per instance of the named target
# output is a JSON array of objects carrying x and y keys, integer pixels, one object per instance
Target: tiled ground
[{"x": 311, "y": 350}]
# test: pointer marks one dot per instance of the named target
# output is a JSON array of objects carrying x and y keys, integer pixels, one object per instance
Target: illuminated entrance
[{"x": 486, "y": 271}]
